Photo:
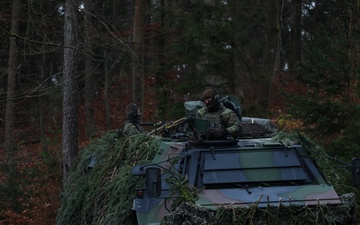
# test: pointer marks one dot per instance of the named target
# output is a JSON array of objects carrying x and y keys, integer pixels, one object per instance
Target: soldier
[
  {"x": 222, "y": 121},
  {"x": 131, "y": 125}
]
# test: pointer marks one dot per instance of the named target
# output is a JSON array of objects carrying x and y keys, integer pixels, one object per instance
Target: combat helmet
[{"x": 132, "y": 112}]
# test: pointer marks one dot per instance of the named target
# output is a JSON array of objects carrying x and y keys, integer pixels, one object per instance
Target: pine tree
[{"x": 330, "y": 70}]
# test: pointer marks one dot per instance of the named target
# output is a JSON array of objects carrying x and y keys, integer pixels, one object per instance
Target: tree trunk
[
  {"x": 138, "y": 59},
  {"x": 271, "y": 55},
  {"x": 42, "y": 100},
  {"x": 11, "y": 70},
  {"x": 9, "y": 114},
  {"x": 161, "y": 98},
  {"x": 239, "y": 81},
  {"x": 107, "y": 89},
  {"x": 89, "y": 80},
  {"x": 295, "y": 33},
  {"x": 70, "y": 117}
]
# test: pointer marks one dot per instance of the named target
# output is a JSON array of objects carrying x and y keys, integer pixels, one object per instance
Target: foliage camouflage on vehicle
[
  {"x": 205, "y": 182},
  {"x": 254, "y": 181},
  {"x": 101, "y": 188}
]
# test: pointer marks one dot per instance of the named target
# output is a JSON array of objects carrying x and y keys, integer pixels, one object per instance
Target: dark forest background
[{"x": 69, "y": 68}]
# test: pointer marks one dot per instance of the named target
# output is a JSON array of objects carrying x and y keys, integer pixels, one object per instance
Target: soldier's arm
[{"x": 233, "y": 123}]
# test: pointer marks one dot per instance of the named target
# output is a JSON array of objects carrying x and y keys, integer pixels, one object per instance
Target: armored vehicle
[{"x": 256, "y": 169}]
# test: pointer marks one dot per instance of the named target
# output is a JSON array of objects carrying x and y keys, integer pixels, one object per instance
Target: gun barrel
[{"x": 155, "y": 124}]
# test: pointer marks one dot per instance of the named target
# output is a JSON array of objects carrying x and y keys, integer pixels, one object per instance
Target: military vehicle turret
[{"x": 260, "y": 169}]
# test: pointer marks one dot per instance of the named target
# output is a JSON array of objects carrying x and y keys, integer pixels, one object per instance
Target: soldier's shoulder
[{"x": 227, "y": 111}]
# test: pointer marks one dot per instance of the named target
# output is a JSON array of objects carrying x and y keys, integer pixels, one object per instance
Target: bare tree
[
  {"x": 11, "y": 84},
  {"x": 239, "y": 80},
  {"x": 295, "y": 33},
  {"x": 89, "y": 73},
  {"x": 138, "y": 59},
  {"x": 70, "y": 89},
  {"x": 271, "y": 54},
  {"x": 10, "y": 101}
]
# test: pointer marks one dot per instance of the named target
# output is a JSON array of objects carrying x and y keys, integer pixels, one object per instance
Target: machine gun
[
  {"x": 153, "y": 124},
  {"x": 164, "y": 129},
  {"x": 185, "y": 128},
  {"x": 191, "y": 127}
]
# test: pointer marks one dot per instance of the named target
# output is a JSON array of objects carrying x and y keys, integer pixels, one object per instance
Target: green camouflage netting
[
  {"x": 103, "y": 194},
  {"x": 189, "y": 214},
  {"x": 101, "y": 188}
]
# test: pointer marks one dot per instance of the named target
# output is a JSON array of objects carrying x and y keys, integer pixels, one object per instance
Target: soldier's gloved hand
[{"x": 218, "y": 133}]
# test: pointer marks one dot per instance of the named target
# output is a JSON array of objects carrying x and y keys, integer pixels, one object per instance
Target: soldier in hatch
[
  {"x": 222, "y": 121},
  {"x": 131, "y": 124}
]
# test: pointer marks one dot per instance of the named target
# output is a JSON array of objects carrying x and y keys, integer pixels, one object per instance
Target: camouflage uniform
[
  {"x": 131, "y": 128},
  {"x": 224, "y": 117},
  {"x": 131, "y": 125}
]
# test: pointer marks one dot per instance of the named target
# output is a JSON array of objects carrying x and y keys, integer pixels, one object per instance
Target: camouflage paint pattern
[
  {"x": 130, "y": 128},
  {"x": 251, "y": 171},
  {"x": 228, "y": 119}
]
